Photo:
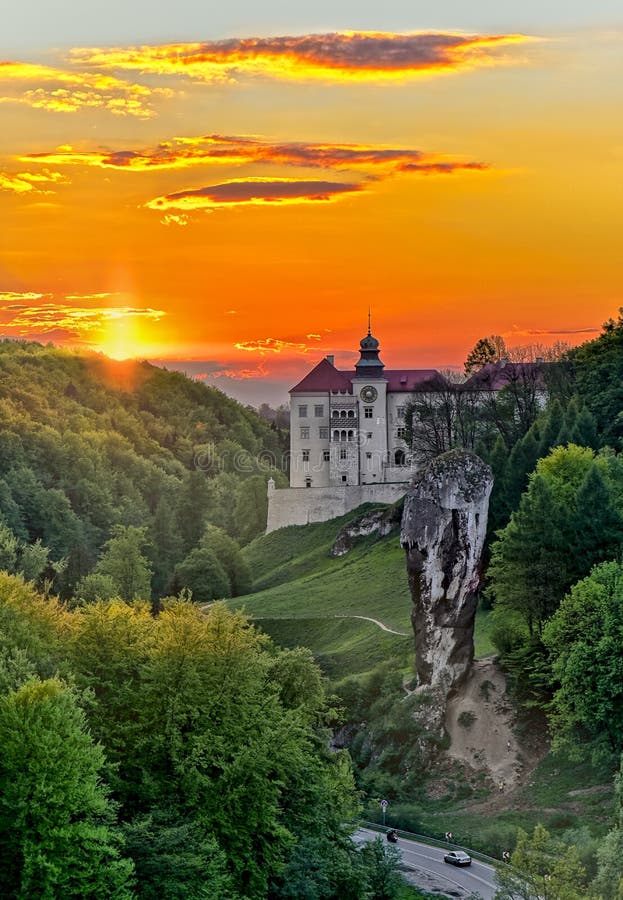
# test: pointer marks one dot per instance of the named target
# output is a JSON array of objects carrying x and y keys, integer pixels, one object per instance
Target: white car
[{"x": 458, "y": 858}]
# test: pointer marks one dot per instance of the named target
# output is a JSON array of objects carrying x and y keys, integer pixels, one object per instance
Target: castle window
[
  {"x": 400, "y": 412},
  {"x": 351, "y": 435},
  {"x": 305, "y": 455},
  {"x": 326, "y": 455},
  {"x": 303, "y": 412},
  {"x": 335, "y": 414},
  {"x": 336, "y": 435},
  {"x": 308, "y": 482},
  {"x": 323, "y": 433},
  {"x": 343, "y": 414},
  {"x": 401, "y": 433},
  {"x": 344, "y": 478},
  {"x": 400, "y": 458},
  {"x": 351, "y": 413},
  {"x": 305, "y": 432},
  {"x": 343, "y": 454},
  {"x": 368, "y": 412},
  {"x": 319, "y": 411},
  {"x": 342, "y": 435}
]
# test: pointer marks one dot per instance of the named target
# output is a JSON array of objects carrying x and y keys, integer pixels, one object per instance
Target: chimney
[
  {"x": 539, "y": 360},
  {"x": 331, "y": 359}
]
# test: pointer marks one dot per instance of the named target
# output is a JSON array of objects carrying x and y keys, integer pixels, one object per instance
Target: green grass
[
  {"x": 299, "y": 591},
  {"x": 342, "y": 647}
]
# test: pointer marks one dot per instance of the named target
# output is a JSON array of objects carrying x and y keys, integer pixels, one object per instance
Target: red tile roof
[
  {"x": 325, "y": 377},
  {"x": 495, "y": 376}
]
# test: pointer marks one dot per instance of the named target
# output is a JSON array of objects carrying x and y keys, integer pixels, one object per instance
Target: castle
[
  {"x": 347, "y": 438},
  {"x": 348, "y": 429}
]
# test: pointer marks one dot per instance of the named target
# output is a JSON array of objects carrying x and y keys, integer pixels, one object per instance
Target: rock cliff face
[
  {"x": 443, "y": 528},
  {"x": 381, "y": 521}
]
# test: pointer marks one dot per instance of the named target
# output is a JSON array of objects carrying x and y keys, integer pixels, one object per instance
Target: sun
[{"x": 122, "y": 338}]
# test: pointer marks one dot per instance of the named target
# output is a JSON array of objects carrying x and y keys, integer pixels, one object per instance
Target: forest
[{"x": 155, "y": 748}]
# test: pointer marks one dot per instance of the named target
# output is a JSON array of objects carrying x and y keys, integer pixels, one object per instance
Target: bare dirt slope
[{"x": 480, "y": 722}]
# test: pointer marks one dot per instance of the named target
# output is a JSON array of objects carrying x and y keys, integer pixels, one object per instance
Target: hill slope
[
  {"x": 303, "y": 596},
  {"x": 87, "y": 443}
]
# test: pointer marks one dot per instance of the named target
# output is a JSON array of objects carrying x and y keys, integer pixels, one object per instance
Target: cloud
[
  {"x": 29, "y": 182},
  {"x": 65, "y": 90},
  {"x": 265, "y": 346},
  {"x": 63, "y": 321},
  {"x": 214, "y": 149},
  {"x": 253, "y": 192},
  {"x": 13, "y": 297},
  {"x": 534, "y": 332},
  {"x": 338, "y": 56}
]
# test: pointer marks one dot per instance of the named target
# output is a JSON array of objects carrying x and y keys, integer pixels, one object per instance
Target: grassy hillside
[{"x": 302, "y": 596}]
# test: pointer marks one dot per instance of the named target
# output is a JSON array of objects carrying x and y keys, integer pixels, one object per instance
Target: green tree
[
  {"x": 531, "y": 566},
  {"x": 124, "y": 562},
  {"x": 542, "y": 867},
  {"x": 176, "y": 859},
  {"x": 380, "y": 865},
  {"x": 608, "y": 883},
  {"x": 227, "y": 552},
  {"x": 57, "y": 833},
  {"x": 252, "y": 505},
  {"x": 96, "y": 586},
  {"x": 203, "y": 575},
  {"x": 585, "y": 642}
]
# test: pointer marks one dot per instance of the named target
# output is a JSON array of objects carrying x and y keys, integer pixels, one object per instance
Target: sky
[{"x": 229, "y": 190}]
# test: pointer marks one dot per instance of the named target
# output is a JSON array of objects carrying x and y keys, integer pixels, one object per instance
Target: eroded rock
[
  {"x": 379, "y": 521},
  {"x": 443, "y": 529}
]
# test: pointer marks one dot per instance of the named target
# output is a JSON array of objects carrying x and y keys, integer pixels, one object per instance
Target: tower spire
[{"x": 369, "y": 321}]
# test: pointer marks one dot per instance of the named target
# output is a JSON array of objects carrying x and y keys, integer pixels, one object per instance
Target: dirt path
[{"x": 375, "y": 622}]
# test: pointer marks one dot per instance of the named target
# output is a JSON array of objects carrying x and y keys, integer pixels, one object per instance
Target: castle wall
[{"x": 300, "y": 506}]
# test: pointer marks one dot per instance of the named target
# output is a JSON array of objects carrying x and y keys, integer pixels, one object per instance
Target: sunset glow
[{"x": 231, "y": 203}]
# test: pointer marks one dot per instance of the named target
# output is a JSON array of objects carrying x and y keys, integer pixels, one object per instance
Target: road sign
[{"x": 384, "y": 804}]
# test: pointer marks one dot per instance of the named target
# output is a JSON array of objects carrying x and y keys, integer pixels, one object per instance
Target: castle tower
[{"x": 370, "y": 390}]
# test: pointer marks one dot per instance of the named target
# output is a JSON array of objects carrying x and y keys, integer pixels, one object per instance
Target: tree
[
  {"x": 227, "y": 552},
  {"x": 487, "y": 350},
  {"x": 570, "y": 503},
  {"x": 542, "y": 867},
  {"x": 609, "y": 880},
  {"x": 380, "y": 864},
  {"x": 251, "y": 508},
  {"x": 176, "y": 859},
  {"x": 57, "y": 833},
  {"x": 585, "y": 642},
  {"x": 123, "y": 561},
  {"x": 202, "y": 574}
]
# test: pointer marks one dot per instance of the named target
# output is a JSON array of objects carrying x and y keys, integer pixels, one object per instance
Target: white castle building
[{"x": 347, "y": 438}]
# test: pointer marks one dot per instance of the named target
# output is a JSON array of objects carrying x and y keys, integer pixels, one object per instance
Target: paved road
[{"x": 479, "y": 877}]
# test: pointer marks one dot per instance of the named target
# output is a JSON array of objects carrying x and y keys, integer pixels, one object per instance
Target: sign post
[{"x": 384, "y": 805}]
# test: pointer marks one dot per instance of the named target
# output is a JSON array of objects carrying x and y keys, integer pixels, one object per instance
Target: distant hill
[{"x": 87, "y": 443}]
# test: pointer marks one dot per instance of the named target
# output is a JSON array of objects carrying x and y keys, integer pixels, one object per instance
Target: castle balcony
[{"x": 343, "y": 435}]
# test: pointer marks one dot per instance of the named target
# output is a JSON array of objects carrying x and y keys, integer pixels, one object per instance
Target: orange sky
[{"x": 241, "y": 203}]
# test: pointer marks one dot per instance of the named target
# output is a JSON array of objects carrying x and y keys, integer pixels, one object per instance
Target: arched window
[
  {"x": 351, "y": 413},
  {"x": 400, "y": 458},
  {"x": 351, "y": 435},
  {"x": 336, "y": 435},
  {"x": 343, "y": 414},
  {"x": 342, "y": 435},
  {"x": 335, "y": 414}
]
